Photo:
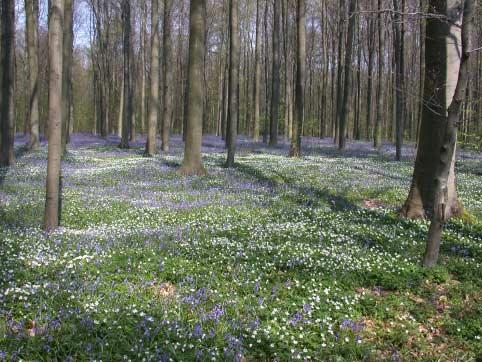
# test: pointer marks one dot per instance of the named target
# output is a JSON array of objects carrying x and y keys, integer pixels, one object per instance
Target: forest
[{"x": 240, "y": 180}]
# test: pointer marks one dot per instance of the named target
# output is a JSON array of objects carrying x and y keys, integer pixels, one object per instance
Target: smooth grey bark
[
  {"x": 295, "y": 150},
  {"x": 377, "y": 132},
  {"x": 446, "y": 152},
  {"x": 275, "y": 95},
  {"x": 52, "y": 200},
  {"x": 67, "y": 49},
  {"x": 168, "y": 76},
  {"x": 442, "y": 62},
  {"x": 151, "y": 144},
  {"x": 192, "y": 163},
  {"x": 257, "y": 75},
  {"x": 7, "y": 112},
  {"x": 233, "y": 100},
  {"x": 348, "y": 75},
  {"x": 126, "y": 52},
  {"x": 31, "y": 12}
]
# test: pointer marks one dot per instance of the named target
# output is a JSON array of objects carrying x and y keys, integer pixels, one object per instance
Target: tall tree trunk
[
  {"x": 442, "y": 62},
  {"x": 7, "y": 111},
  {"x": 275, "y": 97},
  {"x": 295, "y": 150},
  {"x": 339, "y": 80},
  {"x": 257, "y": 76},
  {"x": 377, "y": 132},
  {"x": 167, "y": 76},
  {"x": 399, "y": 42},
  {"x": 143, "y": 65},
  {"x": 56, "y": 32},
  {"x": 446, "y": 152},
  {"x": 192, "y": 163},
  {"x": 348, "y": 76},
  {"x": 31, "y": 11},
  {"x": 233, "y": 81},
  {"x": 151, "y": 145},
  {"x": 127, "y": 112},
  {"x": 67, "y": 49},
  {"x": 371, "y": 57}
]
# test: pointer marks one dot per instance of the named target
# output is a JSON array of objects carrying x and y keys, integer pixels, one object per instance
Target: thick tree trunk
[
  {"x": 295, "y": 150},
  {"x": 275, "y": 96},
  {"x": 151, "y": 145},
  {"x": 7, "y": 111},
  {"x": 192, "y": 163},
  {"x": 348, "y": 76},
  {"x": 446, "y": 152},
  {"x": 52, "y": 200},
  {"x": 442, "y": 61},
  {"x": 167, "y": 76},
  {"x": 31, "y": 11}
]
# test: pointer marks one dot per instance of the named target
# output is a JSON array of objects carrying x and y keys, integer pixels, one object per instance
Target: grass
[{"x": 279, "y": 259}]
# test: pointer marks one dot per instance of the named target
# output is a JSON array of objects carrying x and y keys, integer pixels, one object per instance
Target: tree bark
[
  {"x": 442, "y": 61},
  {"x": 151, "y": 145},
  {"x": 7, "y": 111},
  {"x": 31, "y": 12},
  {"x": 67, "y": 49},
  {"x": 348, "y": 76},
  {"x": 295, "y": 150},
  {"x": 377, "y": 132},
  {"x": 233, "y": 81},
  {"x": 52, "y": 200},
  {"x": 257, "y": 76},
  {"x": 275, "y": 96},
  {"x": 127, "y": 111},
  {"x": 167, "y": 76},
  {"x": 192, "y": 163},
  {"x": 446, "y": 152}
]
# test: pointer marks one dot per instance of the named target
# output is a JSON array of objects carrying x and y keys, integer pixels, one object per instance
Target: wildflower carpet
[{"x": 277, "y": 259}]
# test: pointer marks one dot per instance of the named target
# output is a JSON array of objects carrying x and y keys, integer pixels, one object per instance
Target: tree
[
  {"x": 7, "y": 112},
  {"x": 348, "y": 76},
  {"x": 151, "y": 145},
  {"x": 233, "y": 101},
  {"x": 275, "y": 95},
  {"x": 377, "y": 132},
  {"x": 441, "y": 68},
  {"x": 56, "y": 31},
  {"x": 31, "y": 12},
  {"x": 399, "y": 43},
  {"x": 295, "y": 150},
  {"x": 257, "y": 75},
  {"x": 167, "y": 76},
  {"x": 192, "y": 163},
  {"x": 446, "y": 151},
  {"x": 67, "y": 71},
  {"x": 127, "y": 57}
]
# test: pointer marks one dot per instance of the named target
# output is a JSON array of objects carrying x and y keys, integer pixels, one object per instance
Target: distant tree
[
  {"x": 295, "y": 150},
  {"x": 192, "y": 163},
  {"x": 257, "y": 75},
  {"x": 275, "y": 93},
  {"x": 377, "y": 132},
  {"x": 151, "y": 145},
  {"x": 442, "y": 61},
  {"x": 31, "y": 12},
  {"x": 67, "y": 71},
  {"x": 445, "y": 153},
  {"x": 168, "y": 75},
  {"x": 233, "y": 101},
  {"x": 56, "y": 33},
  {"x": 7, "y": 53}
]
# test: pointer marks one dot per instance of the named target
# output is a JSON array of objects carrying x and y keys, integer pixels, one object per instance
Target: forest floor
[{"x": 278, "y": 259}]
